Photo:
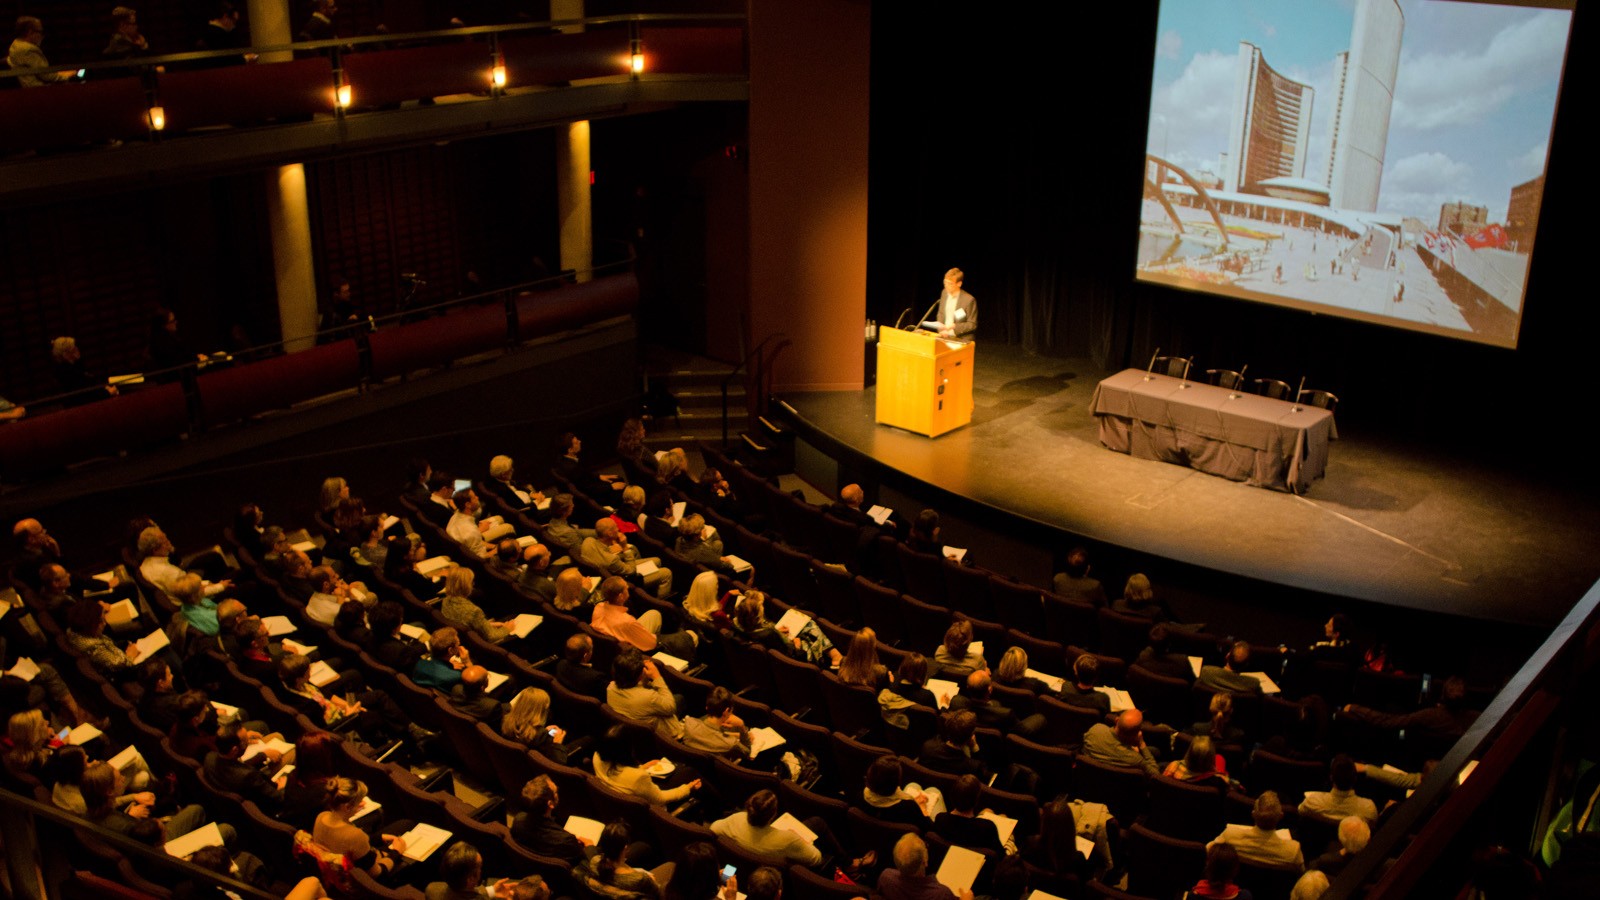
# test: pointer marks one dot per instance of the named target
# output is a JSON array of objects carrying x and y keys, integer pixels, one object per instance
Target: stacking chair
[
  {"x": 1227, "y": 378},
  {"x": 1175, "y": 366},
  {"x": 1271, "y": 387},
  {"x": 968, "y": 589},
  {"x": 923, "y": 574},
  {"x": 1053, "y": 764},
  {"x": 1069, "y": 621}
]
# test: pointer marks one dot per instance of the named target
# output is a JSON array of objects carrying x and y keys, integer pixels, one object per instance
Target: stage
[{"x": 1387, "y": 524}]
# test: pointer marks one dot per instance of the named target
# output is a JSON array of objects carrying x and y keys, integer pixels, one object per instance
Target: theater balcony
[{"x": 191, "y": 114}]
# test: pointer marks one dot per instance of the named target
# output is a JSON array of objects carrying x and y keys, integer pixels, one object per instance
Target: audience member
[
  {"x": 25, "y": 53},
  {"x": 612, "y": 618},
  {"x": 1260, "y": 843},
  {"x": 607, "y": 876},
  {"x": 459, "y": 610},
  {"x": 1222, "y": 867},
  {"x": 1354, "y": 833},
  {"x": 471, "y": 697},
  {"x": 1448, "y": 717},
  {"x": 1121, "y": 746},
  {"x": 1201, "y": 764},
  {"x": 860, "y": 664},
  {"x": 961, "y": 825},
  {"x": 1080, "y": 691},
  {"x": 609, "y": 551},
  {"x": 637, "y": 692},
  {"x": 885, "y": 798},
  {"x": 575, "y": 670},
  {"x": 616, "y": 765},
  {"x": 1341, "y": 801},
  {"x": 441, "y": 668},
  {"x": 955, "y": 658},
  {"x": 751, "y": 829},
  {"x": 954, "y": 750},
  {"x": 719, "y": 730},
  {"x": 537, "y": 829},
  {"x": 528, "y": 723},
  {"x": 334, "y": 830},
  {"x": 1074, "y": 583},
  {"x": 1012, "y": 672},
  {"x": 1230, "y": 675},
  {"x": 909, "y": 879}
]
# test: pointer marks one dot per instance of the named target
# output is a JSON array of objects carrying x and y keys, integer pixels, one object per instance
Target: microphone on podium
[{"x": 901, "y": 317}]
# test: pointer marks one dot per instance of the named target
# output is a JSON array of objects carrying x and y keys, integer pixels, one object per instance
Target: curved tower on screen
[{"x": 1382, "y": 160}]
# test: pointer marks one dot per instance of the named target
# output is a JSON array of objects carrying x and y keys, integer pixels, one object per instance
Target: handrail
[
  {"x": 14, "y": 803},
  {"x": 728, "y": 379},
  {"x": 371, "y": 324},
  {"x": 1509, "y": 705},
  {"x": 374, "y": 39}
]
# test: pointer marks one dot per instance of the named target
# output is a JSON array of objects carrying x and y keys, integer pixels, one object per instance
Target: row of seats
[{"x": 147, "y": 416}]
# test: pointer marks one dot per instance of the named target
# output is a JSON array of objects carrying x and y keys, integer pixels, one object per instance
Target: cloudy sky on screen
[{"x": 1474, "y": 99}]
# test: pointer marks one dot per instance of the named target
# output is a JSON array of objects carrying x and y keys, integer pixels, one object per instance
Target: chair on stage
[
  {"x": 1175, "y": 366},
  {"x": 1227, "y": 378},
  {"x": 1320, "y": 399},
  {"x": 1271, "y": 387}
]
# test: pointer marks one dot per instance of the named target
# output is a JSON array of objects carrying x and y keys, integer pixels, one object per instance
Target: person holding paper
[
  {"x": 335, "y": 831},
  {"x": 536, "y": 828},
  {"x": 909, "y": 879},
  {"x": 608, "y": 876},
  {"x": 637, "y": 692},
  {"x": 248, "y": 779},
  {"x": 465, "y": 527},
  {"x": 1260, "y": 842},
  {"x": 799, "y": 637},
  {"x": 1230, "y": 675},
  {"x": 911, "y": 682},
  {"x": 860, "y": 664},
  {"x": 560, "y": 531},
  {"x": 400, "y": 569},
  {"x": 459, "y": 610},
  {"x": 955, "y": 658},
  {"x": 612, "y": 618},
  {"x": 86, "y": 625},
  {"x": 102, "y": 785},
  {"x": 659, "y": 521},
  {"x": 471, "y": 697},
  {"x": 615, "y": 764},
  {"x": 693, "y": 544},
  {"x": 1342, "y": 800},
  {"x": 961, "y": 825},
  {"x": 1056, "y": 847},
  {"x": 955, "y": 312},
  {"x": 719, "y": 730},
  {"x": 441, "y": 668},
  {"x": 977, "y": 694},
  {"x": 376, "y": 713},
  {"x": 501, "y": 483},
  {"x": 1080, "y": 691},
  {"x": 68, "y": 767},
  {"x": 752, "y": 829},
  {"x": 1013, "y": 672},
  {"x": 391, "y": 646},
  {"x": 954, "y": 750},
  {"x": 610, "y": 552},
  {"x": 154, "y": 549},
  {"x": 886, "y": 800}
]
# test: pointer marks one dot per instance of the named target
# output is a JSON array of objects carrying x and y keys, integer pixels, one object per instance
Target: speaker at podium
[{"x": 924, "y": 381}]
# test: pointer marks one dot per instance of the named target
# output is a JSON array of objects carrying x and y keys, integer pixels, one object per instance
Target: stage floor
[{"x": 1386, "y": 524}]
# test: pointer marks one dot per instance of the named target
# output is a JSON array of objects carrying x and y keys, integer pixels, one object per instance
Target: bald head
[
  {"x": 606, "y": 529},
  {"x": 27, "y": 528},
  {"x": 851, "y": 495},
  {"x": 1128, "y": 724},
  {"x": 474, "y": 680},
  {"x": 978, "y": 683}
]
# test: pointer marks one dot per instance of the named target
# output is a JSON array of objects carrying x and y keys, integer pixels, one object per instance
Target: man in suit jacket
[
  {"x": 956, "y": 311},
  {"x": 575, "y": 672},
  {"x": 1260, "y": 843},
  {"x": 471, "y": 696},
  {"x": 978, "y": 696},
  {"x": 224, "y": 767},
  {"x": 1228, "y": 677}
]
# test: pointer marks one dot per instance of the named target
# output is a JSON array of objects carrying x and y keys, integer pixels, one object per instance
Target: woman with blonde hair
[
  {"x": 1013, "y": 672},
  {"x": 333, "y": 490},
  {"x": 702, "y": 603},
  {"x": 810, "y": 644},
  {"x": 459, "y": 610},
  {"x": 528, "y": 723},
  {"x": 28, "y": 748},
  {"x": 334, "y": 830},
  {"x": 630, "y": 512},
  {"x": 860, "y": 664}
]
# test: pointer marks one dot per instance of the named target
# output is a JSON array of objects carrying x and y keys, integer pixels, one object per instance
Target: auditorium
[{"x": 824, "y": 448}]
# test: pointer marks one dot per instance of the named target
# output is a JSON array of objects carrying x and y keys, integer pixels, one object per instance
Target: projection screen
[{"x": 1380, "y": 160}]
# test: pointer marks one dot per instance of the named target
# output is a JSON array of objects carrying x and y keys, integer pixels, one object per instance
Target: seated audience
[
  {"x": 1013, "y": 672},
  {"x": 911, "y": 682},
  {"x": 575, "y": 670},
  {"x": 1222, "y": 867},
  {"x": 719, "y": 730},
  {"x": 977, "y": 694},
  {"x": 637, "y": 692},
  {"x": 528, "y": 723},
  {"x": 909, "y": 879},
  {"x": 471, "y": 697},
  {"x": 954, "y": 750},
  {"x": 955, "y": 658},
  {"x": 537, "y": 828},
  {"x": 1121, "y": 746},
  {"x": 860, "y": 664},
  {"x": 334, "y": 830},
  {"x": 573, "y": 592},
  {"x": 1079, "y": 690},
  {"x": 1354, "y": 833},
  {"x": 441, "y": 668},
  {"x": 459, "y": 610},
  {"x": 1230, "y": 675},
  {"x": 1074, "y": 582},
  {"x": 884, "y": 798},
  {"x": 607, "y": 876},
  {"x": 609, "y": 551},
  {"x": 1259, "y": 842},
  {"x": 612, "y": 618},
  {"x": 1201, "y": 764},
  {"x": 751, "y": 829},
  {"x": 960, "y": 824},
  {"x": 616, "y": 765},
  {"x": 1447, "y": 718},
  {"x": 1341, "y": 801}
]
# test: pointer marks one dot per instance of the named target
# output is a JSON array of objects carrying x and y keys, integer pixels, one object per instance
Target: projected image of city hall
[{"x": 1384, "y": 162}]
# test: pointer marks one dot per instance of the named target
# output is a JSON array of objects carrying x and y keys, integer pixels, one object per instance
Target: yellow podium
[{"x": 924, "y": 381}]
